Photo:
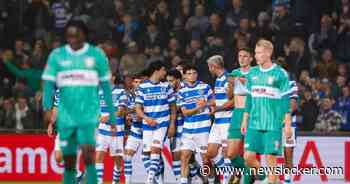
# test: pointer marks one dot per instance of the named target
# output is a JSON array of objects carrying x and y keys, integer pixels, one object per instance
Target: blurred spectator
[
  {"x": 20, "y": 54},
  {"x": 338, "y": 85},
  {"x": 154, "y": 37},
  {"x": 23, "y": 115},
  {"x": 37, "y": 110},
  {"x": 327, "y": 67},
  {"x": 297, "y": 57},
  {"x": 324, "y": 38},
  {"x": 133, "y": 62},
  {"x": 245, "y": 32},
  {"x": 342, "y": 106},
  {"x": 328, "y": 120},
  {"x": 154, "y": 54},
  {"x": 39, "y": 55},
  {"x": 30, "y": 75},
  {"x": 309, "y": 111},
  {"x": 127, "y": 30},
  {"x": 163, "y": 18},
  {"x": 281, "y": 26},
  {"x": 343, "y": 40},
  {"x": 234, "y": 14},
  {"x": 7, "y": 114},
  {"x": 60, "y": 11},
  {"x": 216, "y": 28},
  {"x": 111, "y": 52},
  {"x": 343, "y": 71},
  {"x": 37, "y": 18},
  {"x": 263, "y": 26},
  {"x": 198, "y": 23}
]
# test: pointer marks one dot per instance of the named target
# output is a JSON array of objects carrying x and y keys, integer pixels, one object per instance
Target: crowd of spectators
[{"x": 311, "y": 40}]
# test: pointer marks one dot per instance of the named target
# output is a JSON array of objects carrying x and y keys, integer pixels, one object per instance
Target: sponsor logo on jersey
[
  {"x": 65, "y": 63},
  {"x": 89, "y": 62},
  {"x": 270, "y": 80}
]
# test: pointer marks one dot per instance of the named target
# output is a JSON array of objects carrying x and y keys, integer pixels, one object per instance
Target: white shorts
[
  {"x": 195, "y": 142},
  {"x": 153, "y": 138},
  {"x": 133, "y": 143},
  {"x": 218, "y": 134},
  {"x": 177, "y": 144},
  {"x": 290, "y": 143},
  {"x": 57, "y": 144},
  {"x": 114, "y": 144}
]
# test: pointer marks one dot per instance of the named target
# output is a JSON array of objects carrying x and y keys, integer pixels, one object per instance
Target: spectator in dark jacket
[
  {"x": 7, "y": 114},
  {"x": 309, "y": 111},
  {"x": 281, "y": 26},
  {"x": 23, "y": 114},
  {"x": 297, "y": 57}
]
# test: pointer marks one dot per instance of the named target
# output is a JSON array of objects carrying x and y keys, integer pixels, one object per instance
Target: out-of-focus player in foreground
[
  {"x": 267, "y": 106},
  {"x": 77, "y": 69},
  {"x": 51, "y": 131}
]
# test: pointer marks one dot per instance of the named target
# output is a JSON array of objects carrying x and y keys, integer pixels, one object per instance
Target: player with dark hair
[{"x": 77, "y": 69}]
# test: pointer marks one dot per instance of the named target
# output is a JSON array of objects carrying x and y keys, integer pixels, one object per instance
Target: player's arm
[
  {"x": 122, "y": 105},
  {"x": 49, "y": 80},
  {"x": 230, "y": 103},
  {"x": 104, "y": 78},
  {"x": 52, "y": 121},
  {"x": 285, "y": 101},
  {"x": 139, "y": 108},
  {"x": 140, "y": 113},
  {"x": 247, "y": 109},
  {"x": 172, "y": 126}
]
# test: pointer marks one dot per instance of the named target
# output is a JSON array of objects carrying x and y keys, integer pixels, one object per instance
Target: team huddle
[{"x": 252, "y": 106}]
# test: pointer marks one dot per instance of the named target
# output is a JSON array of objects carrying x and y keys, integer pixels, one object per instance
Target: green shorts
[
  {"x": 263, "y": 142},
  {"x": 234, "y": 131},
  {"x": 70, "y": 138}
]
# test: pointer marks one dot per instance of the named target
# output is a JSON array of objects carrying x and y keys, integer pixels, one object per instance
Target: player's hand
[
  {"x": 201, "y": 103},
  {"x": 50, "y": 130},
  {"x": 104, "y": 119},
  {"x": 243, "y": 80},
  {"x": 244, "y": 128},
  {"x": 172, "y": 130},
  {"x": 47, "y": 117},
  {"x": 113, "y": 130},
  {"x": 151, "y": 122},
  {"x": 7, "y": 55},
  {"x": 288, "y": 132},
  {"x": 53, "y": 118},
  {"x": 128, "y": 120}
]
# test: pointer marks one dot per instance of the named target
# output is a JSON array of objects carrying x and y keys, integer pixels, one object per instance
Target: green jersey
[
  {"x": 239, "y": 87},
  {"x": 267, "y": 102},
  {"x": 77, "y": 75}
]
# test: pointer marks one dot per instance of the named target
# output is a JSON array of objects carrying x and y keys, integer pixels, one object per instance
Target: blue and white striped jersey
[
  {"x": 120, "y": 99},
  {"x": 156, "y": 99},
  {"x": 61, "y": 17},
  {"x": 136, "y": 126},
  {"x": 293, "y": 93},
  {"x": 187, "y": 98},
  {"x": 220, "y": 90},
  {"x": 179, "y": 120}
]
